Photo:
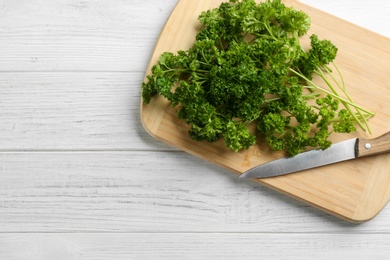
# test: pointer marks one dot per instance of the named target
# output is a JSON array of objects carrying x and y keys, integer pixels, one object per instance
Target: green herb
[{"x": 247, "y": 66}]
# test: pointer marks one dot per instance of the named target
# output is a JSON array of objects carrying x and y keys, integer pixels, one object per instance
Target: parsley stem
[
  {"x": 359, "y": 112},
  {"x": 328, "y": 92},
  {"x": 342, "y": 87},
  {"x": 322, "y": 75}
]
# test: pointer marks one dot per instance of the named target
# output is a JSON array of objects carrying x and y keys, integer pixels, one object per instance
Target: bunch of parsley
[{"x": 247, "y": 67}]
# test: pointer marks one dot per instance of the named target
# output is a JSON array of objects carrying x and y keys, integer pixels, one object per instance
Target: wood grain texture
[
  {"x": 72, "y": 110},
  {"x": 79, "y": 35},
  {"x": 194, "y": 246},
  {"x": 338, "y": 189},
  {"x": 369, "y": 147},
  {"x": 81, "y": 179},
  {"x": 146, "y": 192}
]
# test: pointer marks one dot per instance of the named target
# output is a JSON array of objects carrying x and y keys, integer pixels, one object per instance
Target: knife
[{"x": 346, "y": 150}]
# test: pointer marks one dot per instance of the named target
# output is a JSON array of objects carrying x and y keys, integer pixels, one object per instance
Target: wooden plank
[
  {"x": 115, "y": 35},
  {"x": 147, "y": 192},
  {"x": 70, "y": 110},
  {"x": 90, "y": 35},
  {"x": 342, "y": 190},
  {"x": 194, "y": 246}
]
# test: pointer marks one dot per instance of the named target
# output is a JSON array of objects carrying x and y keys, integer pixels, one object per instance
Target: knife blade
[{"x": 342, "y": 151}]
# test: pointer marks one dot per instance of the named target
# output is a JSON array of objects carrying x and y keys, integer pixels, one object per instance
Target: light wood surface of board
[
  {"x": 80, "y": 178},
  {"x": 355, "y": 190}
]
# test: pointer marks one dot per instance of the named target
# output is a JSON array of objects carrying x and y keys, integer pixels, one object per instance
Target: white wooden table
[{"x": 81, "y": 179}]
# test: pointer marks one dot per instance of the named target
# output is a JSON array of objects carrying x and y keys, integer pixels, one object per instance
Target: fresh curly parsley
[{"x": 247, "y": 66}]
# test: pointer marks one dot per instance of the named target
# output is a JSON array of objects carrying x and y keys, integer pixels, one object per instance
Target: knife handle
[{"x": 367, "y": 147}]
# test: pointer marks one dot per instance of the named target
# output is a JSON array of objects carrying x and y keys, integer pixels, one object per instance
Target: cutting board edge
[
  {"x": 146, "y": 123},
  {"x": 368, "y": 215}
]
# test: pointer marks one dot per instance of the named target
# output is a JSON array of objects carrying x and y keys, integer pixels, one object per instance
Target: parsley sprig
[{"x": 248, "y": 67}]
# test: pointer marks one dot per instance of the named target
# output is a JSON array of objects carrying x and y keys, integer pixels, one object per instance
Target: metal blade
[{"x": 336, "y": 153}]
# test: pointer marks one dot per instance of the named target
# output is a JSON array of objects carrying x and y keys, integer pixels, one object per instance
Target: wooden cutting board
[{"x": 355, "y": 190}]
